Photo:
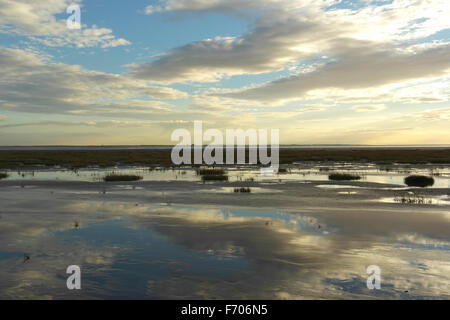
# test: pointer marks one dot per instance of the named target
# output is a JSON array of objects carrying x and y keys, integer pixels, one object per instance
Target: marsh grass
[
  {"x": 413, "y": 200},
  {"x": 344, "y": 176},
  {"x": 114, "y": 177},
  {"x": 242, "y": 190},
  {"x": 106, "y": 158},
  {"x": 213, "y": 174},
  {"x": 419, "y": 181},
  {"x": 3, "y": 175},
  {"x": 215, "y": 178}
]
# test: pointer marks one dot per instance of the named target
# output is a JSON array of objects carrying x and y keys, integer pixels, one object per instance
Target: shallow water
[
  {"x": 368, "y": 172},
  {"x": 137, "y": 250},
  {"x": 184, "y": 239}
]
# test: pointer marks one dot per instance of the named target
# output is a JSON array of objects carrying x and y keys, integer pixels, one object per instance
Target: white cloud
[
  {"x": 37, "y": 21},
  {"x": 433, "y": 115},
  {"x": 233, "y": 5},
  {"x": 369, "y": 108},
  {"x": 287, "y": 31},
  {"x": 277, "y": 39},
  {"x": 29, "y": 83},
  {"x": 366, "y": 68}
]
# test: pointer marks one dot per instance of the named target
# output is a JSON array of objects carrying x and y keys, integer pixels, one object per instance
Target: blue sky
[{"x": 327, "y": 71}]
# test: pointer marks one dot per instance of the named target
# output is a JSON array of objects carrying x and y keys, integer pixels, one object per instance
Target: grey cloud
[
  {"x": 355, "y": 71},
  {"x": 231, "y": 5},
  {"x": 265, "y": 49},
  {"x": 278, "y": 37},
  {"x": 31, "y": 84},
  {"x": 284, "y": 33}
]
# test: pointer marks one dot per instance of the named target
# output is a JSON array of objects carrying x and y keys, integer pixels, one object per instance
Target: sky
[{"x": 320, "y": 71}]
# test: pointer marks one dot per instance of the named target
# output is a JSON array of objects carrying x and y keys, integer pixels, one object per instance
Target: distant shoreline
[
  {"x": 169, "y": 147},
  {"x": 82, "y": 158}
]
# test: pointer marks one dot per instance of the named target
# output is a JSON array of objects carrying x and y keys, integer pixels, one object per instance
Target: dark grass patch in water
[
  {"x": 3, "y": 175},
  {"x": 242, "y": 190},
  {"x": 344, "y": 177},
  {"x": 213, "y": 174},
  {"x": 215, "y": 178},
  {"x": 419, "y": 181},
  {"x": 114, "y": 177},
  {"x": 109, "y": 158},
  {"x": 413, "y": 200}
]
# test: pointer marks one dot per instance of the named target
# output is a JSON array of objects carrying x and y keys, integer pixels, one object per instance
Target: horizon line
[{"x": 172, "y": 145}]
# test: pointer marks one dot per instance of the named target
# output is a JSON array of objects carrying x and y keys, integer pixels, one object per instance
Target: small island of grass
[
  {"x": 212, "y": 174},
  {"x": 419, "y": 181},
  {"x": 3, "y": 175},
  {"x": 114, "y": 177},
  {"x": 343, "y": 177}
]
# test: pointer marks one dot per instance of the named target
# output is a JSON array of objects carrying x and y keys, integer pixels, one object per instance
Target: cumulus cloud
[
  {"x": 287, "y": 31},
  {"x": 37, "y": 21},
  {"x": 29, "y": 83},
  {"x": 212, "y": 59},
  {"x": 365, "y": 69},
  {"x": 233, "y": 5},
  {"x": 271, "y": 44}
]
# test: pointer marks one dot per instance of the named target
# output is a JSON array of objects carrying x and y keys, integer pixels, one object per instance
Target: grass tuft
[
  {"x": 419, "y": 181},
  {"x": 3, "y": 175},
  {"x": 413, "y": 200},
  {"x": 114, "y": 177},
  {"x": 242, "y": 190},
  {"x": 344, "y": 177},
  {"x": 215, "y": 178},
  {"x": 213, "y": 174},
  {"x": 110, "y": 158}
]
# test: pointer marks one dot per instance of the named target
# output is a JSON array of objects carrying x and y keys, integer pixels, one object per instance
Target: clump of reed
[
  {"x": 344, "y": 176},
  {"x": 242, "y": 190},
  {"x": 419, "y": 181},
  {"x": 413, "y": 200},
  {"x": 213, "y": 174},
  {"x": 114, "y": 177},
  {"x": 3, "y": 175}
]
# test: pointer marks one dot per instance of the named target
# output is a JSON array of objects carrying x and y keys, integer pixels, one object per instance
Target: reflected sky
[{"x": 139, "y": 250}]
